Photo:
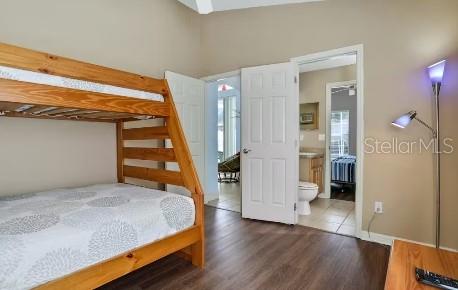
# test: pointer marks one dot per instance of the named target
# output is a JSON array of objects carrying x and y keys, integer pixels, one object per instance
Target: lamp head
[
  {"x": 404, "y": 120},
  {"x": 436, "y": 72}
]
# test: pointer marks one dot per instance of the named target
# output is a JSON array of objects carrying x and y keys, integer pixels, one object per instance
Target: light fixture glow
[
  {"x": 224, "y": 87},
  {"x": 436, "y": 72},
  {"x": 404, "y": 120}
]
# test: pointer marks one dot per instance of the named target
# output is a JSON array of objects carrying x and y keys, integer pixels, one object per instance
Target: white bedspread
[
  {"x": 63, "y": 82},
  {"x": 47, "y": 235}
]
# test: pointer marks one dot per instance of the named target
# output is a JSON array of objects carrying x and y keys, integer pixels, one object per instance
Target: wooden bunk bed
[{"x": 80, "y": 105}]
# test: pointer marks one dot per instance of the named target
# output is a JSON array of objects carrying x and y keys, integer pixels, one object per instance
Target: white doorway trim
[
  {"x": 211, "y": 96},
  {"x": 327, "y": 175},
  {"x": 359, "y": 50},
  {"x": 221, "y": 76}
]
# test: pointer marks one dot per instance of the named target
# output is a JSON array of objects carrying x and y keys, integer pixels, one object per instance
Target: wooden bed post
[
  {"x": 188, "y": 173},
  {"x": 119, "y": 151}
]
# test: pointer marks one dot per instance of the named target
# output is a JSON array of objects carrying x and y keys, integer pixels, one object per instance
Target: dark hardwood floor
[{"x": 247, "y": 254}]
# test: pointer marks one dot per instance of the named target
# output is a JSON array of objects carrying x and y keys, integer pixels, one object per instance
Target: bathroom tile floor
[
  {"x": 337, "y": 216},
  {"x": 230, "y": 196}
]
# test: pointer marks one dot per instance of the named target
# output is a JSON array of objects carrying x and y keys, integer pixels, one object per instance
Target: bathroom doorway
[
  {"x": 330, "y": 137},
  {"x": 341, "y": 126}
]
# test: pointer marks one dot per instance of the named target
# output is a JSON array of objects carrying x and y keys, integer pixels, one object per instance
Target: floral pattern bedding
[{"x": 46, "y": 235}]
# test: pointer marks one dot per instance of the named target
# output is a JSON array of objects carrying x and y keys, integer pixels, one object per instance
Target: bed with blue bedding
[{"x": 343, "y": 169}]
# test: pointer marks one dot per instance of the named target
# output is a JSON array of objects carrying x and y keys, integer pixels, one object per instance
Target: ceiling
[{"x": 208, "y": 6}]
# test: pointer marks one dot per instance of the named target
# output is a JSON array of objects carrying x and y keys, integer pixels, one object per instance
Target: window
[
  {"x": 227, "y": 127},
  {"x": 340, "y": 124},
  {"x": 220, "y": 130}
]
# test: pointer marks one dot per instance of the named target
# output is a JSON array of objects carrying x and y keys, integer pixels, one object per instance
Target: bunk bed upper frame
[{"x": 73, "y": 104}]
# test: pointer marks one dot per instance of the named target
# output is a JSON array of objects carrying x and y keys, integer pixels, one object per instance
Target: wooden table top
[{"x": 406, "y": 256}]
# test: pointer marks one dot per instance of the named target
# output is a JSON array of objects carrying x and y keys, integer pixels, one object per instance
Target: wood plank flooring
[{"x": 247, "y": 254}]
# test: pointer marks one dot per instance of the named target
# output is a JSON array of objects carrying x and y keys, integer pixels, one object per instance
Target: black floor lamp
[{"x": 436, "y": 72}]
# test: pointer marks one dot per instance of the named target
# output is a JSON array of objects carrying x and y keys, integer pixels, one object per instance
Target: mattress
[
  {"x": 46, "y": 235},
  {"x": 64, "y": 82}
]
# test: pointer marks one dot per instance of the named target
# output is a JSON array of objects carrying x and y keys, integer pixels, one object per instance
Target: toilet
[{"x": 306, "y": 193}]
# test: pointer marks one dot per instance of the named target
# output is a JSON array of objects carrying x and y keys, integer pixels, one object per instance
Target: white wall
[
  {"x": 142, "y": 36},
  {"x": 38, "y": 155},
  {"x": 400, "y": 38},
  {"x": 211, "y": 141}
]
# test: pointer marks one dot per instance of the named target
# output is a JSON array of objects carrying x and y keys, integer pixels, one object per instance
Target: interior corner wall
[
  {"x": 143, "y": 36},
  {"x": 400, "y": 38}
]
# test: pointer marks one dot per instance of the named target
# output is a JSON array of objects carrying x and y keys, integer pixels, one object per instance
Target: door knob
[{"x": 246, "y": 151}]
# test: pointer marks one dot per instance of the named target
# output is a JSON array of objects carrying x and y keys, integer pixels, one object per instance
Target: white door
[
  {"x": 189, "y": 95},
  {"x": 270, "y": 153}
]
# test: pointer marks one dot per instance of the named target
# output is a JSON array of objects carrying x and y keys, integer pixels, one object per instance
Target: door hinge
[
  {"x": 295, "y": 79},
  {"x": 295, "y": 206}
]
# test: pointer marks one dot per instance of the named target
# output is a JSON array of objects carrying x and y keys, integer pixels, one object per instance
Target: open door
[
  {"x": 188, "y": 95},
  {"x": 270, "y": 151}
]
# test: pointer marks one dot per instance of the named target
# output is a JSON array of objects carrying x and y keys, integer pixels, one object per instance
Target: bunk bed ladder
[{"x": 180, "y": 153}]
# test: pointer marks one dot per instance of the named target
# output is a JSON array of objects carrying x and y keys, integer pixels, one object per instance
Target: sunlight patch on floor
[{"x": 230, "y": 196}]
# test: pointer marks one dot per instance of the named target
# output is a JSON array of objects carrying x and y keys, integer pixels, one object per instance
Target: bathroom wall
[{"x": 312, "y": 88}]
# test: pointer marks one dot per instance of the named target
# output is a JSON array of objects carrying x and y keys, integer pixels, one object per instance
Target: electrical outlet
[{"x": 378, "y": 207}]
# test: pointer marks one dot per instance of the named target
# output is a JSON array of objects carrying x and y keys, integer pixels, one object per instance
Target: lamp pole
[
  {"x": 436, "y": 73},
  {"x": 436, "y": 90}
]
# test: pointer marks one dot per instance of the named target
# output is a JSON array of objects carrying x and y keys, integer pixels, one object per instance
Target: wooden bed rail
[
  {"x": 19, "y": 92},
  {"x": 106, "y": 107},
  {"x": 107, "y": 271},
  {"x": 31, "y": 60}
]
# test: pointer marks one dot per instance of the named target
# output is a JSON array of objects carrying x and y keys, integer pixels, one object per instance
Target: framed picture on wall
[{"x": 308, "y": 116}]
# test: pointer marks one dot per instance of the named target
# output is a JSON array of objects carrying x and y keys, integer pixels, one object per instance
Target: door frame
[
  {"x": 327, "y": 175},
  {"x": 211, "y": 163},
  {"x": 359, "y": 51},
  {"x": 224, "y": 75}
]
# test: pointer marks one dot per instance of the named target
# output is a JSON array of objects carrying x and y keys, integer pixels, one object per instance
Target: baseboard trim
[{"x": 388, "y": 240}]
